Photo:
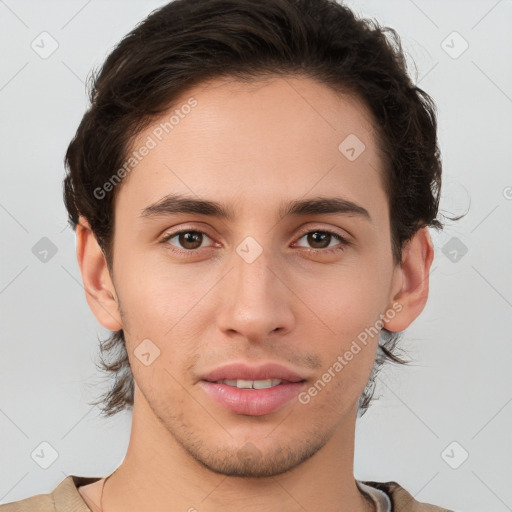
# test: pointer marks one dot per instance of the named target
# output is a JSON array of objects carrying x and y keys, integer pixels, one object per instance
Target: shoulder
[
  {"x": 402, "y": 500},
  {"x": 63, "y": 498},
  {"x": 38, "y": 503}
]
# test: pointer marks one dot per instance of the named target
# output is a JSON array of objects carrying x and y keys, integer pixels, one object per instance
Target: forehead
[{"x": 281, "y": 135}]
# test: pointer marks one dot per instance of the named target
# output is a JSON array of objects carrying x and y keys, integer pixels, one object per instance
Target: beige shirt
[{"x": 66, "y": 498}]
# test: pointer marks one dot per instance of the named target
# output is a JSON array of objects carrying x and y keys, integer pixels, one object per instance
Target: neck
[{"x": 159, "y": 474}]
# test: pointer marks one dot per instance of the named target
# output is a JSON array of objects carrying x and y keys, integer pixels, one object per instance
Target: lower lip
[{"x": 252, "y": 402}]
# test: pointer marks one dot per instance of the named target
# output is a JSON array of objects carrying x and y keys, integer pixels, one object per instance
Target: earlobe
[
  {"x": 413, "y": 273},
  {"x": 98, "y": 285}
]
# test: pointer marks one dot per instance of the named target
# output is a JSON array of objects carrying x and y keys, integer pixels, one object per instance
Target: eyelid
[
  {"x": 344, "y": 239},
  {"x": 168, "y": 234},
  {"x": 308, "y": 229},
  {"x": 343, "y": 242}
]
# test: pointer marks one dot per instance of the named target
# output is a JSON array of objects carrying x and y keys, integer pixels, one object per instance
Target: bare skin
[
  {"x": 91, "y": 494},
  {"x": 250, "y": 147}
]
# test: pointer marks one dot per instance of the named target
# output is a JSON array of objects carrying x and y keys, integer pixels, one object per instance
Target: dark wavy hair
[{"x": 187, "y": 42}]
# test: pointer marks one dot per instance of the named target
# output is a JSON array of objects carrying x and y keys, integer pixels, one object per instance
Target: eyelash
[{"x": 193, "y": 252}]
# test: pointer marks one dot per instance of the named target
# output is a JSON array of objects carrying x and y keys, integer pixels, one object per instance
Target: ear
[
  {"x": 411, "y": 281},
  {"x": 99, "y": 288}
]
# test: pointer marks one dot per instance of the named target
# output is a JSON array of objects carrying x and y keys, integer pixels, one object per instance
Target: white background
[{"x": 459, "y": 387}]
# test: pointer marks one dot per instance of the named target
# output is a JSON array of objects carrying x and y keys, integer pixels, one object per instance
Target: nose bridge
[
  {"x": 254, "y": 271},
  {"x": 256, "y": 302}
]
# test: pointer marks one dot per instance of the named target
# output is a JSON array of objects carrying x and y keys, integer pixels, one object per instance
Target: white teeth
[
  {"x": 264, "y": 384},
  {"x": 244, "y": 384},
  {"x": 252, "y": 384}
]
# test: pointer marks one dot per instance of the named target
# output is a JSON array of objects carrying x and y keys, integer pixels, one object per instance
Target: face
[{"x": 269, "y": 282}]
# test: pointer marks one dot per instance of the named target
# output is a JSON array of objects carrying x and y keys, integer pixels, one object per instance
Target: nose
[{"x": 256, "y": 298}]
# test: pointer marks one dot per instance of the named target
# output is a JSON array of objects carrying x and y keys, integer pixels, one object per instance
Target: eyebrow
[{"x": 173, "y": 204}]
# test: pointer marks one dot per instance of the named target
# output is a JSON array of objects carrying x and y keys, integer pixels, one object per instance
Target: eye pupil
[
  {"x": 190, "y": 237},
  {"x": 319, "y": 237},
  {"x": 192, "y": 240}
]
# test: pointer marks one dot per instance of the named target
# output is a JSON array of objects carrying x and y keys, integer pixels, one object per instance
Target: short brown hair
[{"x": 190, "y": 41}]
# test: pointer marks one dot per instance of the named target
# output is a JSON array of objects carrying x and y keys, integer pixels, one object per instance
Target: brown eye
[
  {"x": 186, "y": 240},
  {"x": 190, "y": 239},
  {"x": 318, "y": 239},
  {"x": 321, "y": 241}
]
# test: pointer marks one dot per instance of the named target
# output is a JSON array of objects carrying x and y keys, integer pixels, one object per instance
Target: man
[{"x": 252, "y": 189}]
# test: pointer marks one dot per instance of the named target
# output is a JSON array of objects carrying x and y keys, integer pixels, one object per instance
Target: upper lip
[{"x": 244, "y": 371}]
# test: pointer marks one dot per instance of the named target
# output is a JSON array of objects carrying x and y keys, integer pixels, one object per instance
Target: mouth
[
  {"x": 252, "y": 391},
  {"x": 243, "y": 373},
  {"x": 251, "y": 384}
]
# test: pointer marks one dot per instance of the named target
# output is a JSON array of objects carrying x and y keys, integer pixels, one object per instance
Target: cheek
[
  {"x": 336, "y": 389},
  {"x": 344, "y": 302},
  {"x": 156, "y": 309},
  {"x": 157, "y": 295},
  {"x": 345, "y": 309}
]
